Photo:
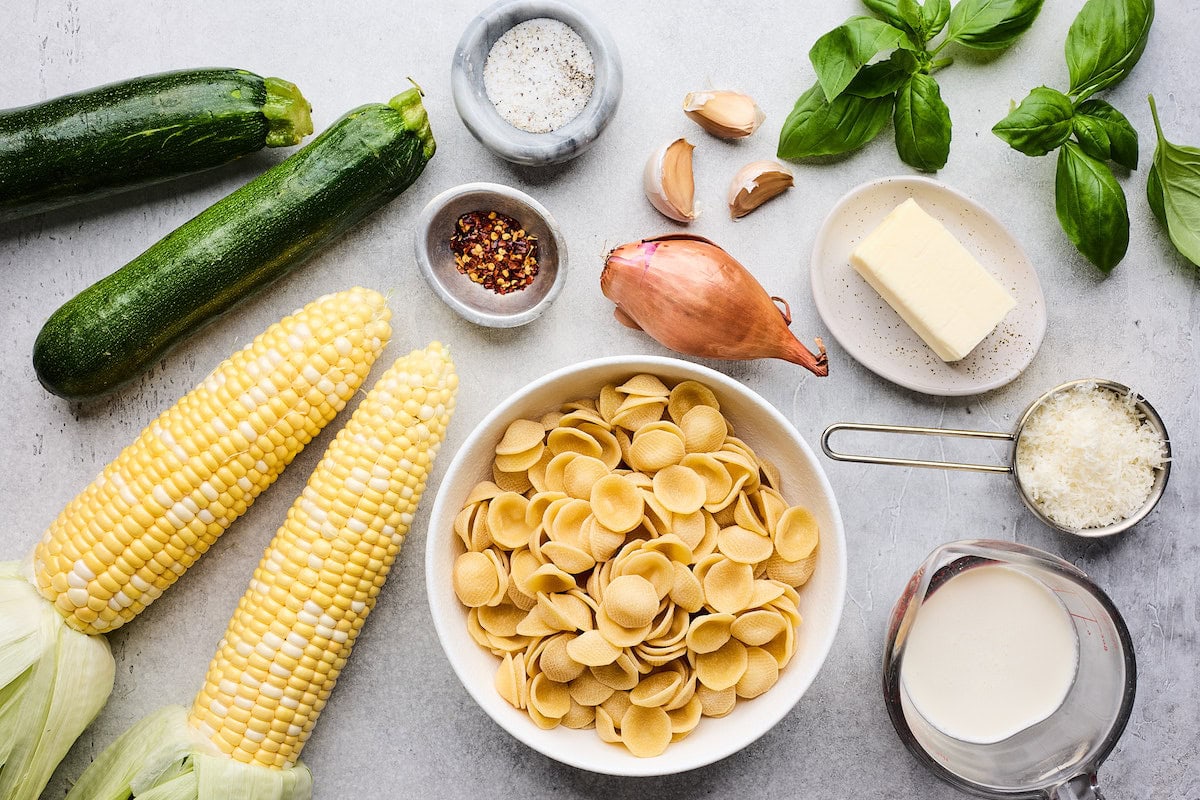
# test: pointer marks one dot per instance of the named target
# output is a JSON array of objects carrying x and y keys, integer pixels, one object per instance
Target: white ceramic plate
[
  {"x": 821, "y": 599},
  {"x": 870, "y": 331}
]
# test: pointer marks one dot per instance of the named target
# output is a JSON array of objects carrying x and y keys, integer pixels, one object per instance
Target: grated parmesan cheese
[{"x": 1086, "y": 457}]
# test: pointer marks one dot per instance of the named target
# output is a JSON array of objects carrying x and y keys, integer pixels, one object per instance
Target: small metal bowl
[
  {"x": 481, "y": 117},
  {"x": 1143, "y": 407},
  {"x": 473, "y": 302}
]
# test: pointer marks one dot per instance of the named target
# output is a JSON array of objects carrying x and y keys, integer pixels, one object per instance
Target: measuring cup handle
[
  {"x": 1081, "y": 787},
  {"x": 911, "y": 462}
]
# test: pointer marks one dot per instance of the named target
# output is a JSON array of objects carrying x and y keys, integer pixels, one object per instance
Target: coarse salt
[
  {"x": 1087, "y": 459},
  {"x": 539, "y": 75}
]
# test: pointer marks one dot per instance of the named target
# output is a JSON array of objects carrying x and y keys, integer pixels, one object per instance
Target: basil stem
[
  {"x": 922, "y": 123},
  {"x": 1039, "y": 124},
  {"x": 1091, "y": 207}
]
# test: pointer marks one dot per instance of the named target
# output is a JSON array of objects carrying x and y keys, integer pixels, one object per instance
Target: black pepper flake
[{"x": 493, "y": 250}]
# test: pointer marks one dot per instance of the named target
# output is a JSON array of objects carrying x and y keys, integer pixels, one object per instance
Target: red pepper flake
[{"x": 494, "y": 251}]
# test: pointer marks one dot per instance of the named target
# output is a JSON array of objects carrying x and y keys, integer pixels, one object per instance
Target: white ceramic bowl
[{"x": 770, "y": 434}]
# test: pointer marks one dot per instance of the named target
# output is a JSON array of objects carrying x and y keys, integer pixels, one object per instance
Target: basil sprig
[
  {"x": 855, "y": 94},
  {"x": 1104, "y": 43},
  {"x": 1173, "y": 191}
]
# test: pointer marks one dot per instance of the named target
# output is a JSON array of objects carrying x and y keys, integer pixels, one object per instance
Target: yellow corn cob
[
  {"x": 168, "y": 496},
  {"x": 296, "y": 624}
]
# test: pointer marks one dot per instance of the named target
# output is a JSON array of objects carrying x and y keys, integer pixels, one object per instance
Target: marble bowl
[
  {"x": 481, "y": 117},
  {"x": 473, "y": 302},
  {"x": 771, "y": 435}
]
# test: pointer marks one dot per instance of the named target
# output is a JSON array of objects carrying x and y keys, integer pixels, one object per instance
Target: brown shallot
[{"x": 695, "y": 298}]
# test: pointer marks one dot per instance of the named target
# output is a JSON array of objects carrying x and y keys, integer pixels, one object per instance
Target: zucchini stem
[
  {"x": 289, "y": 115},
  {"x": 408, "y": 103}
]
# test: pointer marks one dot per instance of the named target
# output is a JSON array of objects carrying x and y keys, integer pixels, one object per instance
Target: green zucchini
[
  {"x": 114, "y": 330},
  {"x": 140, "y": 131}
]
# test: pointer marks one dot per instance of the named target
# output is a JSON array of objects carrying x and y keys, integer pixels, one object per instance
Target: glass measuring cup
[
  {"x": 1057, "y": 758},
  {"x": 1143, "y": 408}
]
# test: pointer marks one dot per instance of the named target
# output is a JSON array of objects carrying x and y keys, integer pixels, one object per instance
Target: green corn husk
[
  {"x": 53, "y": 682},
  {"x": 164, "y": 758}
]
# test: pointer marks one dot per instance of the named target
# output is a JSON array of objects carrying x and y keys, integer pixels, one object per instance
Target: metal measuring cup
[{"x": 1143, "y": 408}]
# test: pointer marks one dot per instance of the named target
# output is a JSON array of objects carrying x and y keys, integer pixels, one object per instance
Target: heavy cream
[{"x": 991, "y": 652}]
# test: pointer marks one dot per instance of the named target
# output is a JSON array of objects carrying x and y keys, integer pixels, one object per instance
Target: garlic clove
[
  {"x": 755, "y": 184},
  {"x": 668, "y": 181},
  {"x": 724, "y": 114}
]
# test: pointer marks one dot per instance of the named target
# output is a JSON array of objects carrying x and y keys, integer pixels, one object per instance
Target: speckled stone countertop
[{"x": 399, "y": 723}]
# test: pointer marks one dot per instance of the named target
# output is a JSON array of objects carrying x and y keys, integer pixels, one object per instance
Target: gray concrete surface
[{"x": 399, "y": 724}]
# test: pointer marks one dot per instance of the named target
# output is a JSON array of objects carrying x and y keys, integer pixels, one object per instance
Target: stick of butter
[{"x": 931, "y": 281}]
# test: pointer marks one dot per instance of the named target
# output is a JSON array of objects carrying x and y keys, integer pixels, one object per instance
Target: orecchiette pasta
[{"x": 633, "y": 564}]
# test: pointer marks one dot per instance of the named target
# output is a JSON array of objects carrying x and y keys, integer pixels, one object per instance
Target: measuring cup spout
[{"x": 1081, "y": 787}]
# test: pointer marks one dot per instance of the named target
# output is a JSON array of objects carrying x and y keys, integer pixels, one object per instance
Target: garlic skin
[
  {"x": 669, "y": 183},
  {"x": 695, "y": 298},
  {"x": 755, "y": 184},
  {"x": 724, "y": 114}
]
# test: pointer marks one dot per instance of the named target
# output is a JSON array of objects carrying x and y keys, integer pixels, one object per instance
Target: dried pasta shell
[
  {"x": 500, "y": 620},
  {"x": 630, "y": 601},
  {"x": 551, "y": 698},
  {"x": 714, "y": 703},
  {"x": 536, "y": 625},
  {"x": 579, "y": 717},
  {"x": 687, "y": 717},
  {"x": 581, "y": 474},
  {"x": 655, "y": 449},
  {"x": 654, "y": 567},
  {"x": 765, "y": 591},
  {"x": 541, "y": 720},
  {"x": 587, "y": 691},
  {"x": 636, "y": 412},
  {"x": 687, "y": 395},
  {"x": 724, "y": 667},
  {"x": 572, "y": 440},
  {"x": 605, "y": 727},
  {"x": 463, "y": 521},
  {"x": 690, "y": 529},
  {"x": 584, "y": 403},
  {"x": 769, "y": 471},
  {"x": 476, "y": 630},
  {"x": 602, "y": 542},
  {"x": 510, "y": 680},
  {"x": 609, "y": 401},
  {"x": 708, "y": 544},
  {"x": 729, "y": 586},
  {"x": 793, "y": 573},
  {"x": 580, "y": 417},
  {"x": 520, "y": 436},
  {"x": 646, "y": 731},
  {"x": 536, "y": 475},
  {"x": 519, "y": 598},
  {"x": 757, "y": 627},
  {"x": 679, "y": 489},
  {"x": 658, "y": 656},
  {"x": 645, "y": 385},
  {"x": 563, "y": 612},
  {"x": 744, "y": 546},
  {"x": 556, "y": 663},
  {"x": 782, "y": 647},
  {"x": 745, "y": 516},
  {"x": 617, "y": 503},
  {"x": 479, "y": 579},
  {"x": 796, "y": 534},
  {"x": 687, "y": 689},
  {"x": 555, "y": 468},
  {"x": 508, "y": 644},
  {"x": 619, "y": 635},
  {"x": 520, "y": 462},
  {"x": 769, "y": 506},
  {"x": 686, "y": 591},
  {"x": 568, "y": 557},
  {"x": 717, "y": 482},
  {"x": 535, "y": 512},
  {"x": 670, "y": 546},
  {"x": 657, "y": 689},
  {"x": 565, "y": 522},
  {"x": 704, "y": 429},
  {"x": 610, "y": 448},
  {"x": 511, "y": 481},
  {"x": 550, "y": 420},
  {"x": 548, "y": 579},
  {"x": 592, "y": 649},
  {"x": 617, "y": 706},
  {"x": 621, "y": 675},
  {"x": 482, "y": 492},
  {"x": 661, "y": 625},
  {"x": 762, "y": 672},
  {"x": 506, "y": 521},
  {"x": 709, "y": 633}
]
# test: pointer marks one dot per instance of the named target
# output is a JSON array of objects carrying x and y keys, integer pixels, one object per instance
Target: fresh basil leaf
[
  {"x": 887, "y": 10},
  {"x": 840, "y": 54},
  {"x": 1177, "y": 170},
  {"x": 1091, "y": 207},
  {"x": 1154, "y": 196},
  {"x": 910, "y": 13},
  {"x": 817, "y": 127},
  {"x": 884, "y": 77},
  {"x": 922, "y": 124},
  {"x": 1105, "y": 42},
  {"x": 934, "y": 15},
  {"x": 991, "y": 24},
  {"x": 1122, "y": 139},
  {"x": 1039, "y": 124},
  {"x": 1093, "y": 139}
]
